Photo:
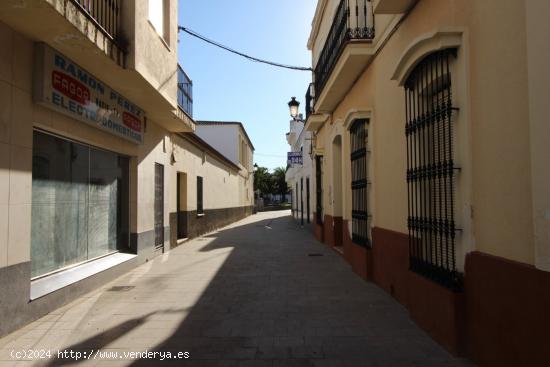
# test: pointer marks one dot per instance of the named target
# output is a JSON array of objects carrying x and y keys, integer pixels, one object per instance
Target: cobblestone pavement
[{"x": 247, "y": 295}]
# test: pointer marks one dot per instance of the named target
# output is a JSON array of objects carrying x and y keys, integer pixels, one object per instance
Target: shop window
[
  {"x": 359, "y": 183},
  {"x": 80, "y": 202},
  {"x": 431, "y": 170},
  {"x": 200, "y": 208}
]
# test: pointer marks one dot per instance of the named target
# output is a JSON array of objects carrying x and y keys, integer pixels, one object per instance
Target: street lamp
[
  {"x": 255, "y": 167},
  {"x": 293, "y": 107}
]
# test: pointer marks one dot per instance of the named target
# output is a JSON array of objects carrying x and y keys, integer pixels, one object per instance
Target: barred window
[
  {"x": 319, "y": 188},
  {"x": 200, "y": 208},
  {"x": 431, "y": 170},
  {"x": 359, "y": 183}
]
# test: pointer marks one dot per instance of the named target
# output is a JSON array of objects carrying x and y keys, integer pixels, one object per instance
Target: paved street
[{"x": 248, "y": 295}]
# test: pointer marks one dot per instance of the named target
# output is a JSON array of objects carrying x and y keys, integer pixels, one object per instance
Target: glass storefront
[{"x": 80, "y": 203}]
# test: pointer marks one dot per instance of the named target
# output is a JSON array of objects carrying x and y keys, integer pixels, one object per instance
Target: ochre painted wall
[{"x": 493, "y": 133}]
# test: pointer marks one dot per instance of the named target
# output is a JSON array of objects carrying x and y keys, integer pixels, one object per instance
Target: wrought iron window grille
[
  {"x": 319, "y": 189},
  {"x": 360, "y": 183},
  {"x": 431, "y": 170}
]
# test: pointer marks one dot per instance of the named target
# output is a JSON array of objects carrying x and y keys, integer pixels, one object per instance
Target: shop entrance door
[
  {"x": 159, "y": 206},
  {"x": 182, "y": 205}
]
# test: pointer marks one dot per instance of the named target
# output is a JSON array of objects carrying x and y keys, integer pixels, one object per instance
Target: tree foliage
[
  {"x": 262, "y": 180},
  {"x": 270, "y": 183},
  {"x": 279, "y": 181}
]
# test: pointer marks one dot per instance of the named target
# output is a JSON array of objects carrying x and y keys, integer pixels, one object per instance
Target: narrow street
[{"x": 261, "y": 292}]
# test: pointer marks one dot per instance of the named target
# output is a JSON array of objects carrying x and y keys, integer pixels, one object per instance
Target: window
[
  {"x": 240, "y": 151},
  {"x": 158, "y": 16},
  {"x": 80, "y": 203},
  {"x": 359, "y": 184},
  {"x": 319, "y": 188},
  {"x": 244, "y": 156},
  {"x": 431, "y": 170},
  {"x": 200, "y": 209}
]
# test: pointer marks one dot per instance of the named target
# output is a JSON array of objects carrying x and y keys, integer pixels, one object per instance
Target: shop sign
[
  {"x": 294, "y": 158},
  {"x": 62, "y": 85}
]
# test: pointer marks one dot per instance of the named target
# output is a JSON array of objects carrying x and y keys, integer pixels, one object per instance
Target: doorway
[
  {"x": 297, "y": 202},
  {"x": 307, "y": 200},
  {"x": 302, "y": 200},
  {"x": 337, "y": 198},
  {"x": 182, "y": 205},
  {"x": 159, "y": 207}
]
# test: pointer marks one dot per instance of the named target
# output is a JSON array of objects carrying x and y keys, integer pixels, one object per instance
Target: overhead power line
[
  {"x": 270, "y": 155},
  {"x": 203, "y": 38}
]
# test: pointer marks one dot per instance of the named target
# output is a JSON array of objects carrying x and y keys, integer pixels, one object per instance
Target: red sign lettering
[
  {"x": 70, "y": 87},
  {"x": 131, "y": 121}
]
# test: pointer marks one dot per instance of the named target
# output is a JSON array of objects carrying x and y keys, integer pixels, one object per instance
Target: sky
[{"x": 227, "y": 87}]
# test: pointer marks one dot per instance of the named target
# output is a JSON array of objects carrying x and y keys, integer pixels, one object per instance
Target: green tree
[
  {"x": 262, "y": 180},
  {"x": 280, "y": 187}
]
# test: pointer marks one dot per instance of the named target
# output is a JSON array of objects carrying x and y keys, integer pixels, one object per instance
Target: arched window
[
  {"x": 431, "y": 170},
  {"x": 359, "y": 183}
]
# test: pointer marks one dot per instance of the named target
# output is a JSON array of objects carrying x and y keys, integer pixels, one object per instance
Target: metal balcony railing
[
  {"x": 310, "y": 100},
  {"x": 185, "y": 92},
  {"x": 105, "y": 14},
  {"x": 354, "y": 20}
]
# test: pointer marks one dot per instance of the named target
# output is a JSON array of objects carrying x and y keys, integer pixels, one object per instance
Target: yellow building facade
[{"x": 428, "y": 118}]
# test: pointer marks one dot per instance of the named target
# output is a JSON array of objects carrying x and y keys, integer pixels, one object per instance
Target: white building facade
[
  {"x": 300, "y": 176},
  {"x": 231, "y": 140}
]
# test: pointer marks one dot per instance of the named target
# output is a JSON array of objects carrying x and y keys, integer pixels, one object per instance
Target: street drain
[
  {"x": 315, "y": 255},
  {"x": 121, "y": 288}
]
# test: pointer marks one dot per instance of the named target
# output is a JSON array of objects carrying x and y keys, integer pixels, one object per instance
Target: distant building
[
  {"x": 299, "y": 176},
  {"x": 230, "y": 138},
  {"x": 210, "y": 189}
]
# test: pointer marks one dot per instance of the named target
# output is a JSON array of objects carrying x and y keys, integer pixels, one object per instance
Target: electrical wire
[
  {"x": 269, "y": 155},
  {"x": 203, "y": 38}
]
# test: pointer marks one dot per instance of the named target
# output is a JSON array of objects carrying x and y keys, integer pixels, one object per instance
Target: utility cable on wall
[{"x": 203, "y": 38}]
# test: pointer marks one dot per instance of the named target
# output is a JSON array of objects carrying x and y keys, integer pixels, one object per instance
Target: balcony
[
  {"x": 346, "y": 52},
  {"x": 77, "y": 28},
  {"x": 185, "y": 92},
  {"x": 310, "y": 100},
  {"x": 105, "y": 14},
  {"x": 89, "y": 33}
]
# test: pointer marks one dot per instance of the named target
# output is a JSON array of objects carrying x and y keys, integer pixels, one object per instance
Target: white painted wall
[
  {"x": 225, "y": 138},
  {"x": 298, "y": 172}
]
